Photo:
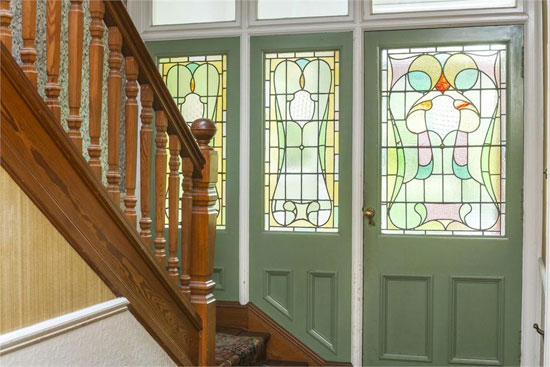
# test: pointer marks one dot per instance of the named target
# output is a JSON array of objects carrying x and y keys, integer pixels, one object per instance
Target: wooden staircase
[{"x": 111, "y": 225}]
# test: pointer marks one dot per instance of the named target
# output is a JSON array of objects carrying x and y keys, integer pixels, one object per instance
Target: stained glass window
[
  {"x": 198, "y": 85},
  {"x": 301, "y": 141},
  {"x": 444, "y": 140}
]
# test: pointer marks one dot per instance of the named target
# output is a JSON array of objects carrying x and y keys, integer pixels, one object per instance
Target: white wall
[{"x": 102, "y": 335}]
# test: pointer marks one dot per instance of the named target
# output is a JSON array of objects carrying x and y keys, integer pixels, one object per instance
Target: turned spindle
[
  {"x": 28, "y": 33},
  {"x": 76, "y": 38},
  {"x": 145, "y": 163},
  {"x": 97, "y": 30},
  {"x": 131, "y": 130},
  {"x": 5, "y": 21},
  {"x": 114, "y": 90},
  {"x": 186, "y": 222},
  {"x": 173, "y": 207},
  {"x": 160, "y": 185}
]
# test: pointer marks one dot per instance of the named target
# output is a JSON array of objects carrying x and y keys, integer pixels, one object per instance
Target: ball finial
[{"x": 203, "y": 130}]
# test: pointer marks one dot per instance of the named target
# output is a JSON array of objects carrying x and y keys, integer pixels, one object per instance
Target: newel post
[{"x": 203, "y": 235}]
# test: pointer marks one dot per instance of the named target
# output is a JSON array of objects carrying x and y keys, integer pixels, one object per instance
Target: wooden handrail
[{"x": 187, "y": 283}]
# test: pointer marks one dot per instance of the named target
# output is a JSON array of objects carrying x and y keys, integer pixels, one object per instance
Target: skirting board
[{"x": 282, "y": 344}]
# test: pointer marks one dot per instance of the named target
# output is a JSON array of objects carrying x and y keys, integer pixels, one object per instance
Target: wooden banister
[
  {"x": 5, "y": 21},
  {"x": 203, "y": 234},
  {"x": 160, "y": 186},
  {"x": 97, "y": 30},
  {"x": 114, "y": 86},
  {"x": 189, "y": 154},
  {"x": 173, "y": 208},
  {"x": 186, "y": 224},
  {"x": 53, "y": 39},
  {"x": 76, "y": 39},
  {"x": 28, "y": 30},
  {"x": 131, "y": 127},
  {"x": 146, "y": 152}
]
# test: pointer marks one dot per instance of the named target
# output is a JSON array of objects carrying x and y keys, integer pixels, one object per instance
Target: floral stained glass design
[
  {"x": 198, "y": 85},
  {"x": 444, "y": 140},
  {"x": 301, "y": 141}
]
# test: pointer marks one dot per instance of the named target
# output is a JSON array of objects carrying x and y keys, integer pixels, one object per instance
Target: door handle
[
  {"x": 370, "y": 213},
  {"x": 538, "y": 330}
]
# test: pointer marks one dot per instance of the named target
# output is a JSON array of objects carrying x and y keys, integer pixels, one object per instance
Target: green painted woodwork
[
  {"x": 303, "y": 279},
  {"x": 443, "y": 299},
  {"x": 226, "y": 262}
]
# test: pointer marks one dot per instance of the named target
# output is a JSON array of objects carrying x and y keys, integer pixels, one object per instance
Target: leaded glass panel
[
  {"x": 301, "y": 119},
  {"x": 198, "y": 85},
  {"x": 443, "y": 122}
]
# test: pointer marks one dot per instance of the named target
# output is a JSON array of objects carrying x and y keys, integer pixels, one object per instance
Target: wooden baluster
[
  {"x": 28, "y": 33},
  {"x": 160, "y": 185},
  {"x": 5, "y": 21},
  {"x": 186, "y": 223},
  {"x": 203, "y": 240},
  {"x": 114, "y": 90},
  {"x": 97, "y": 30},
  {"x": 173, "y": 207},
  {"x": 146, "y": 137},
  {"x": 131, "y": 127},
  {"x": 76, "y": 34},
  {"x": 53, "y": 51}
]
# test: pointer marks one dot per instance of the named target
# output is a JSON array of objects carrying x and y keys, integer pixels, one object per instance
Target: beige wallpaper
[{"x": 41, "y": 275}]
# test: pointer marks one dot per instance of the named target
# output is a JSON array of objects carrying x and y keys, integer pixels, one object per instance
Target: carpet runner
[{"x": 238, "y": 347}]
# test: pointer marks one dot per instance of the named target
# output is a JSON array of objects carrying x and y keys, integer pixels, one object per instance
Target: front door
[
  {"x": 443, "y": 186},
  {"x": 300, "y": 181}
]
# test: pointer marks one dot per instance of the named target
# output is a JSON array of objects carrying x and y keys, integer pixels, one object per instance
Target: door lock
[{"x": 370, "y": 213}]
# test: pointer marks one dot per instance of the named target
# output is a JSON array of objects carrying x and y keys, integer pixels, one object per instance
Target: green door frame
[{"x": 226, "y": 262}]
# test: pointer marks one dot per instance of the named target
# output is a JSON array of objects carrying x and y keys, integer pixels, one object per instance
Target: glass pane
[
  {"x": 403, "y": 6},
  {"x": 192, "y": 11},
  {"x": 444, "y": 140},
  {"x": 198, "y": 85},
  {"x": 301, "y": 141},
  {"x": 277, "y": 9}
]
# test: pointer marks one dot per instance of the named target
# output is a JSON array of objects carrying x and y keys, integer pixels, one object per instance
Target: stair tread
[
  {"x": 276, "y": 362},
  {"x": 238, "y": 347}
]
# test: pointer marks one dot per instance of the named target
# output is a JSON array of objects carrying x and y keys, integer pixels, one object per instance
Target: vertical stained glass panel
[
  {"x": 301, "y": 141},
  {"x": 198, "y": 85},
  {"x": 444, "y": 140}
]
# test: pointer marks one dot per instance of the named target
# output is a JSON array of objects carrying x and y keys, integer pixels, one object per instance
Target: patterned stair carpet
[{"x": 238, "y": 347}]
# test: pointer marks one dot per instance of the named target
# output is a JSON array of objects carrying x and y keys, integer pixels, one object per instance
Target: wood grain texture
[
  {"x": 97, "y": 30},
  {"x": 76, "y": 39},
  {"x": 146, "y": 161},
  {"x": 114, "y": 90},
  {"x": 186, "y": 223},
  {"x": 282, "y": 344},
  {"x": 5, "y": 21},
  {"x": 41, "y": 159},
  {"x": 203, "y": 237},
  {"x": 160, "y": 186},
  {"x": 53, "y": 56},
  {"x": 28, "y": 33},
  {"x": 117, "y": 15},
  {"x": 131, "y": 131},
  {"x": 41, "y": 275},
  {"x": 173, "y": 208}
]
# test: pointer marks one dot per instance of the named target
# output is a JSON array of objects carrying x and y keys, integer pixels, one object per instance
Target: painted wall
[
  {"x": 115, "y": 340},
  {"x": 41, "y": 275}
]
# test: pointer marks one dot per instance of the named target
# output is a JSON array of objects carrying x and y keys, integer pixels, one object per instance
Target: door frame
[{"x": 529, "y": 14}]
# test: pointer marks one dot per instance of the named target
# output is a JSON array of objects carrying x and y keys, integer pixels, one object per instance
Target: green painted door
[
  {"x": 443, "y": 173},
  {"x": 300, "y": 229}
]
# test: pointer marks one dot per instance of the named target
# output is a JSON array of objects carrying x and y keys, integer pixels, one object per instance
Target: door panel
[
  {"x": 300, "y": 228},
  {"x": 443, "y": 174}
]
